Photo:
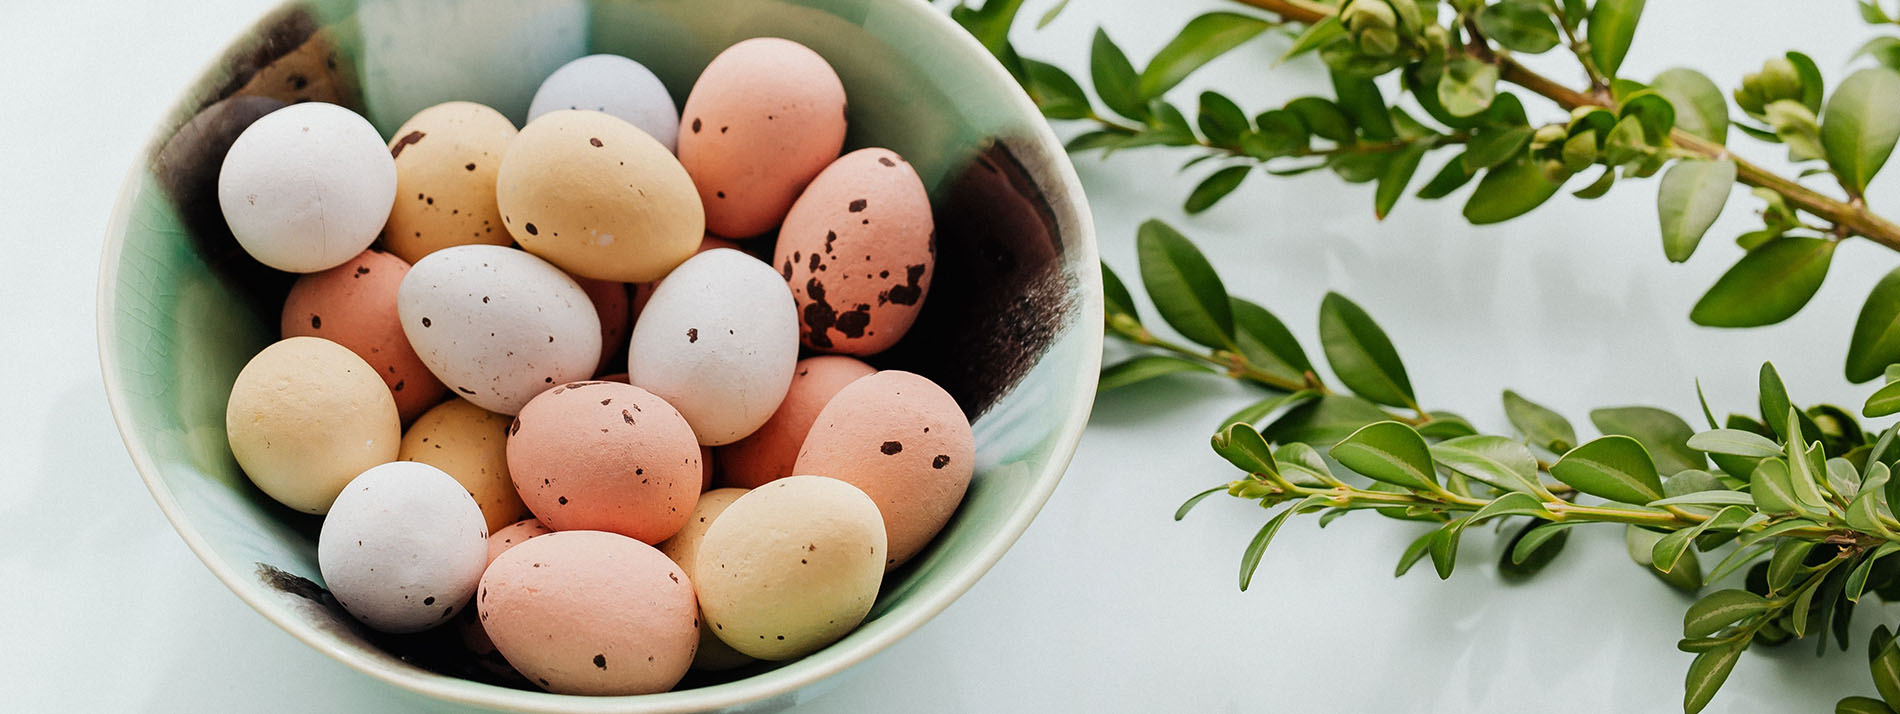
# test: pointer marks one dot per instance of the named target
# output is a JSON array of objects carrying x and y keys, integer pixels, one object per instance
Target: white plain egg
[
  {"x": 719, "y": 341},
  {"x": 403, "y": 547},
  {"x": 614, "y": 85},
  {"x": 307, "y": 187},
  {"x": 498, "y": 325}
]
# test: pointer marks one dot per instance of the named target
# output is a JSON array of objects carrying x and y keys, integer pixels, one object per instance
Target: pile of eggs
[{"x": 571, "y": 518}]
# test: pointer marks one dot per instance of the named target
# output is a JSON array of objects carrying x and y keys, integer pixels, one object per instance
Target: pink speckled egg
[
  {"x": 611, "y": 303},
  {"x": 605, "y": 456},
  {"x": 354, "y": 305},
  {"x": 764, "y": 117},
  {"x": 514, "y": 534},
  {"x": 857, "y": 251},
  {"x": 769, "y": 453},
  {"x": 587, "y": 612},
  {"x": 902, "y": 440}
]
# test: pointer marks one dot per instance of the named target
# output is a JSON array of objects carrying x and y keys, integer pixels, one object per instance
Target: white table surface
[{"x": 1105, "y": 604}]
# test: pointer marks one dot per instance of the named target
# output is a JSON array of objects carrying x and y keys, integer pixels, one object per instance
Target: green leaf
[
  {"x": 1600, "y": 186},
  {"x": 1807, "y": 468},
  {"x": 1397, "y": 174},
  {"x": 1467, "y": 86},
  {"x": 1492, "y": 146},
  {"x": 1774, "y": 400},
  {"x": 1665, "y": 435},
  {"x": 1444, "y": 547},
  {"x": 1863, "y": 513},
  {"x": 1541, "y": 426},
  {"x": 1511, "y": 504},
  {"x": 1501, "y": 462},
  {"x": 1414, "y": 552},
  {"x": 1267, "y": 344},
  {"x": 1691, "y": 195},
  {"x": 1323, "y": 421},
  {"x": 1612, "y": 467},
  {"x": 1143, "y": 368},
  {"x": 1737, "y": 558},
  {"x": 1361, "y": 355},
  {"x": 1315, "y": 36},
  {"x": 1533, "y": 548},
  {"x": 1183, "y": 285},
  {"x": 1710, "y": 669},
  {"x": 1707, "y": 498},
  {"x": 1519, "y": 26},
  {"x": 1243, "y": 447},
  {"x": 1811, "y": 83},
  {"x": 1117, "y": 299},
  {"x": 1254, "y": 414},
  {"x": 1611, "y": 27},
  {"x": 1215, "y": 187},
  {"x": 1054, "y": 91},
  {"x": 1323, "y": 118},
  {"x": 1656, "y": 115},
  {"x": 1221, "y": 120},
  {"x": 1861, "y": 124},
  {"x": 1446, "y": 425},
  {"x": 1180, "y": 513},
  {"x": 1886, "y": 669},
  {"x": 1701, "y": 110},
  {"x": 1883, "y": 49},
  {"x": 1876, "y": 341},
  {"x": 1736, "y": 442},
  {"x": 989, "y": 24},
  {"x": 1356, "y": 167},
  {"x": 1115, "y": 78},
  {"x": 1050, "y": 16},
  {"x": 1883, "y": 401},
  {"x": 1448, "y": 179},
  {"x": 1768, "y": 285},
  {"x": 1100, "y": 139},
  {"x": 1204, "y": 38},
  {"x": 1390, "y": 452},
  {"x": 1871, "y": 13},
  {"x": 1509, "y": 191},
  {"x": 1301, "y": 457},
  {"x": 1359, "y": 98},
  {"x": 1668, "y": 552},
  {"x": 1720, "y": 609},
  {"x": 1861, "y": 705},
  {"x": 1769, "y": 486},
  {"x": 1250, "y": 560}
]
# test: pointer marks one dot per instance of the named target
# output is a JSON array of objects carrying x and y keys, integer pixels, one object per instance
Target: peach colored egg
[
  {"x": 906, "y": 443},
  {"x": 305, "y": 416},
  {"x": 605, "y": 456},
  {"x": 611, "y": 303},
  {"x": 683, "y": 548},
  {"x": 769, "y": 453},
  {"x": 470, "y": 444},
  {"x": 354, "y": 305},
  {"x": 598, "y": 197},
  {"x": 643, "y": 291},
  {"x": 587, "y": 612},
  {"x": 763, "y": 118},
  {"x": 857, "y": 251},
  {"x": 446, "y": 160},
  {"x": 514, "y": 534}
]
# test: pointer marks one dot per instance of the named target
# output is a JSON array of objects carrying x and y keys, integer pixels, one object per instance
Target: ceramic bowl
[{"x": 1012, "y": 327}]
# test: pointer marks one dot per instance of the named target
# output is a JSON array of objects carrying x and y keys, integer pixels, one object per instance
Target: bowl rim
[{"x": 799, "y": 674}]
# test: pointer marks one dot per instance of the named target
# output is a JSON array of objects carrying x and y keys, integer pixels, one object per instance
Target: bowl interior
[{"x": 1011, "y": 328}]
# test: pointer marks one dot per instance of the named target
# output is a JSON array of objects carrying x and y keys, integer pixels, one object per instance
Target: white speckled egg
[
  {"x": 718, "y": 340},
  {"x": 403, "y": 547},
  {"x": 498, "y": 325},
  {"x": 791, "y": 566},
  {"x": 305, "y": 416},
  {"x": 616, "y": 86},
  {"x": 307, "y": 187}
]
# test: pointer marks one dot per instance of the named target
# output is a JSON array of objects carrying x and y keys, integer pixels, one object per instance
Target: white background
[{"x": 1105, "y": 604}]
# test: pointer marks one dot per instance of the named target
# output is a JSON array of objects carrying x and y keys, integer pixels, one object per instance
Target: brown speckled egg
[
  {"x": 612, "y": 304},
  {"x": 605, "y": 456},
  {"x": 644, "y": 291},
  {"x": 683, "y": 548},
  {"x": 857, "y": 251},
  {"x": 598, "y": 197},
  {"x": 514, "y": 534},
  {"x": 769, "y": 453},
  {"x": 470, "y": 444},
  {"x": 764, "y": 117},
  {"x": 354, "y": 305},
  {"x": 586, "y": 612},
  {"x": 446, "y": 160},
  {"x": 906, "y": 443}
]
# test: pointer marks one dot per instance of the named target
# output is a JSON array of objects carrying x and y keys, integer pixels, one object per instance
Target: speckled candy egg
[
  {"x": 718, "y": 341},
  {"x": 307, "y": 187},
  {"x": 605, "y": 456},
  {"x": 514, "y": 534},
  {"x": 470, "y": 444},
  {"x": 587, "y": 612},
  {"x": 857, "y": 252},
  {"x": 446, "y": 160},
  {"x": 598, "y": 197},
  {"x": 307, "y": 415},
  {"x": 616, "y": 86},
  {"x": 612, "y": 303},
  {"x": 906, "y": 443},
  {"x": 354, "y": 305},
  {"x": 403, "y": 548},
  {"x": 714, "y": 654},
  {"x": 791, "y": 567},
  {"x": 764, "y": 117},
  {"x": 498, "y": 325},
  {"x": 769, "y": 453},
  {"x": 644, "y": 291}
]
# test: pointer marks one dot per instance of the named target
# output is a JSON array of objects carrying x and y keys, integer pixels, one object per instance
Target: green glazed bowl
[{"x": 1012, "y": 327}]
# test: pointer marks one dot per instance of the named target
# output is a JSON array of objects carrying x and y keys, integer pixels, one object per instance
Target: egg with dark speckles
[
  {"x": 446, "y": 160},
  {"x": 906, "y": 443},
  {"x": 644, "y": 291},
  {"x": 718, "y": 340},
  {"x": 498, "y": 325},
  {"x": 613, "y": 85},
  {"x": 403, "y": 547},
  {"x": 354, "y": 305},
  {"x": 598, "y": 197},
  {"x": 769, "y": 453},
  {"x": 791, "y": 566},
  {"x": 764, "y": 117},
  {"x": 587, "y": 612},
  {"x": 514, "y": 534},
  {"x": 714, "y": 654},
  {"x": 470, "y": 444},
  {"x": 605, "y": 456},
  {"x": 857, "y": 252},
  {"x": 305, "y": 416}
]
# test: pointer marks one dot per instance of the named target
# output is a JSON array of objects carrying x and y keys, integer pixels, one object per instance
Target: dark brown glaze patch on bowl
[{"x": 999, "y": 296}]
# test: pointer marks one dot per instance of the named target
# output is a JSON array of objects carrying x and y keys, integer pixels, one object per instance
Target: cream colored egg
[
  {"x": 714, "y": 654},
  {"x": 446, "y": 160},
  {"x": 470, "y": 444},
  {"x": 307, "y": 415},
  {"x": 599, "y": 198},
  {"x": 791, "y": 567}
]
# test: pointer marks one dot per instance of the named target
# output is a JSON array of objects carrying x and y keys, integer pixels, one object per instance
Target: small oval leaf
[
  {"x": 1390, "y": 452},
  {"x": 1183, "y": 285},
  {"x": 1770, "y": 284},
  {"x": 1360, "y": 353},
  {"x": 1861, "y": 124},
  {"x": 1612, "y": 467},
  {"x": 1689, "y": 199}
]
